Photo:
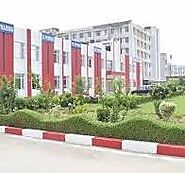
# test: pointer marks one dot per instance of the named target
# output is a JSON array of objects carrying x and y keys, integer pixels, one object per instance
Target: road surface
[{"x": 23, "y": 155}]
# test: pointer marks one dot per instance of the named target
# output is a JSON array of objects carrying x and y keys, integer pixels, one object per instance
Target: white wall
[
  {"x": 58, "y": 66},
  {"x": 36, "y": 66},
  {"x": 20, "y": 65}
]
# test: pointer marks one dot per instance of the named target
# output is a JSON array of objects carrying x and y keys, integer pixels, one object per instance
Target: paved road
[{"x": 21, "y": 155}]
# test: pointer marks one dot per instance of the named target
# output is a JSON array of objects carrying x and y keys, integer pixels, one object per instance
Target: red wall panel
[
  {"x": 76, "y": 62},
  {"x": 9, "y": 55},
  {"x": 97, "y": 72},
  {"x": 51, "y": 65},
  {"x": 6, "y": 54},
  {"x": 47, "y": 65},
  {"x": 127, "y": 75}
]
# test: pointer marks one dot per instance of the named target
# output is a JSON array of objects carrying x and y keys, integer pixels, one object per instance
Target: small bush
[
  {"x": 7, "y": 95},
  {"x": 55, "y": 101},
  {"x": 79, "y": 109},
  {"x": 166, "y": 109},
  {"x": 20, "y": 103},
  {"x": 159, "y": 92},
  {"x": 103, "y": 114},
  {"x": 156, "y": 107},
  {"x": 66, "y": 100}
]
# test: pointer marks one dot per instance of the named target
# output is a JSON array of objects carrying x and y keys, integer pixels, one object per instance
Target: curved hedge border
[{"x": 135, "y": 128}]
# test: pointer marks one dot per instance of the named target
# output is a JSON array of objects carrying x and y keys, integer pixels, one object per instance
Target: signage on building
[
  {"x": 5, "y": 27},
  {"x": 48, "y": 37},
  {"x": 97, "y": 49},
  {"x": 75, "y": 44}
]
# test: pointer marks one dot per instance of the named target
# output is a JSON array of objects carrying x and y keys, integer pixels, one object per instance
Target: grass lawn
[{"x": 148, "y": 108}]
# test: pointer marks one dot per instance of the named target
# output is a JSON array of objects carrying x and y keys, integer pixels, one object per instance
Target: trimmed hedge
[{"x": 133, "y": 128}]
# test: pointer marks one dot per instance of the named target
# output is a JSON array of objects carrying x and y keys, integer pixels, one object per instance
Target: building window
[
  {"x": 121, "y": 30},
  {"x": 57, "y": 82},
  {"x": 134, "y": 31},
  {"x": 19, "y": 50},
  {"x": 83, "y": 60},
  {"x": 145, "y": 55},
  {"x": 81, "y": 35},
  {"x": 122, "y": 50},
  {"x": 126, "y": 29},
  {"x": 145, "y": 37},
  {"x": 89, "y": 34},
  {"x": 138, "y": 43},
  {"x": 142, "y": 55},
  {"x": 66, "y": 81},
  {"x": 35, "y": 81},
  {"x": 89, "y": 82},
  {"x": 127, "y": 50},
  {"x": 35, "y": 53},
  {"x": 90, "y": 62},
  {"x": 57, "y": 56},
  {"x": 109, "y": 65},
  {"x": 105, "y": 31},
  {"x": 74, "y": 36},
  {"x": 122, "y": 68},
  {"x": 19, "y": 81},
  {"x": 138, "y": 53},
  {"x": 126, "y": 39},
  {"x": 144, "y": 45},
  {"x": 98, "y": 33},
  {"x": 112, "y": 31},
  {"x": 65, "y": 57},
  {"x": 66, "y": 37}
]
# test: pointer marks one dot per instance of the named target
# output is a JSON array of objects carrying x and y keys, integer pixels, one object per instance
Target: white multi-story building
[
  {"x": 37, "y": 57},
  {"x": 154, "y": 54},
  {"x": 140, "y": 44},
  {"x": 97, "y": 54}
]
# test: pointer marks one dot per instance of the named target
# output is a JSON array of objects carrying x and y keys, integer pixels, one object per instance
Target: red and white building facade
[{"x": 57, "y": 63}]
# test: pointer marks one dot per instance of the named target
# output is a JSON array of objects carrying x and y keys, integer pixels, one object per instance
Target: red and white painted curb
[{"x": 125, "y": 145}]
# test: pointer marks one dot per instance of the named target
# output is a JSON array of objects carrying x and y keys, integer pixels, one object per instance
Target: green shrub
[
  {"x": 7, "y": 95},
  {"x": 103, "y": 114},
  {"x": 20, "y": 103},
  {"x": 79, "y": 109},
  {"x": 166, "y": 109},
  {"x": 142, "y": 99},
  {"x": 91, "y": 100},
  {"x": 159, "y": 92},
  {"x": 132, "y": 128},
  {"x": 156, "y": 107},
  {"x": 66, "y": 100},
  {"x": 55, "y": 101}
]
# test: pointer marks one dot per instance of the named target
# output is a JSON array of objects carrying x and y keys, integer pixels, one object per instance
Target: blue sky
[{"x": 166, "y": 15}]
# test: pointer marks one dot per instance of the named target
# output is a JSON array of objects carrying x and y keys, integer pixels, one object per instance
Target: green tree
[{"x": 7, "y": 95}]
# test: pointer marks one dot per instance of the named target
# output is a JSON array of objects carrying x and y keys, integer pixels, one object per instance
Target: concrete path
[{"x": 22, "y": 155}]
